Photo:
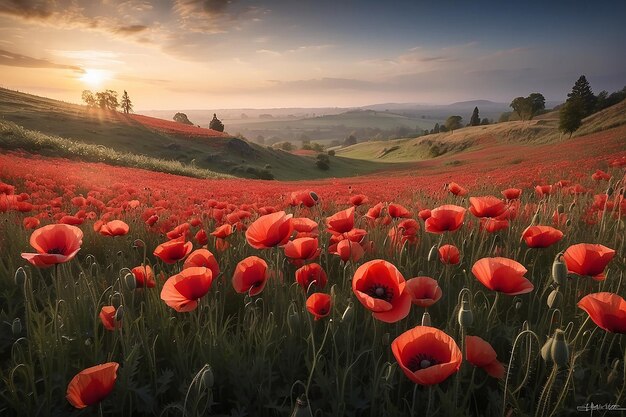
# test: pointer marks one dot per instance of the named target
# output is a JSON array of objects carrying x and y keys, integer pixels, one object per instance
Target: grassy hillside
[
  {"x": 126, "y": 135},
  {"x": 541, "y": 130}
]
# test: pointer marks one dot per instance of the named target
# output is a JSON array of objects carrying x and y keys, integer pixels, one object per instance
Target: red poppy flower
[
  {"x": 375, "y": 212},
  {"x": 201, "y": 237},
  {"x": 306, "y": 198},
  {"x": 223, "y": 231},
  {"x": 319, "y": 305},
  {"x": 449, "y": 255},
  {"x": 541, "y": 236},
  {"x": 202, "y": 257},
  {"x": 114, "y": 228},
  {"x": 396, "y": 211},
  {"x": 182, "y": 291},
  {"x": 173, "y": 250},
  {"x": 221, "y": 245},
  {"x": 31, "y": 222},
  {"x": 607, "y": 310},
  {"x": 493, "y": 225},
  {"x": 487, "y": 206},
  {"x": 178, "y": 231},
  {"x": 358, "y": 199},
  {"x": 342, "y": 221},
  {"x": 542, "y": 190},
  {"x": 152, "y": 220},
  {"x": 303, "y": 248},
  {"x": 311, "y": 273},
  {"x": 92, "y": 385},
  {"x": 426, "y": 355},
  {"x": 107, "y": 317},
  {"x": 600, "y": 175},
  {"x": 502, "y": 275},
  {"x": 270, "y": 230},
  {"x": 456, "y": 189},
  {"x": 380, "y": 287},
  {"x": 250, "y": 276},
  {"x": 588, "y": 259},
  {"x": 512, "y": 193},
  {"x": 71, "y": 220},
  {"x": 347, "y": 250},
  {"x": 55, "y": 244},
  {"x": 144, "y": 276},
  {"x": 424, "y": 214},
  {"x": 480, "y": 353},
  {"x": 445, "y": 218},
  {"x": 424, "y": 291}
]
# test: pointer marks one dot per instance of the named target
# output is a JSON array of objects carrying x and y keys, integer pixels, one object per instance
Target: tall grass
[{"x": 15, "y": 137}]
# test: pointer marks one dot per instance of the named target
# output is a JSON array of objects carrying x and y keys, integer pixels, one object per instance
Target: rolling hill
[{"x": 138, "y": 136}]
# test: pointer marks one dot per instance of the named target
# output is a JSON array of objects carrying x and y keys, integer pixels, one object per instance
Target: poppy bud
[
  {"x": 88, "y": 341},
  {"x": 119, "y": 313},
  {"x": 555, "y": 298},
  {"x": 207, "y": 378},
  {"x": 559, "y": 270},
  {"x": 518, "y": 304},
  {"x": 609, "y": 191},
  {"x": 116, "y": 299},
  {"x": 432, "y": 255},
  {"x": 559, "y": 349},
  {"x": 20, "y": 277},
  {"x": 131, "y": 281},
  {"x": 348, "y": 314},
  {"x": 138, "y": 243},
  {"x": 568, "y": 222},
  {"x": 16, "y": 326},
  {"x": 560, "y": 209},
  {"x": 302, "y": 409},
  {"x": 426, "y": 319},
  {"x": 314, "y": 196},
  {"x": 120, "y": 253},
  {"x": 571, "y": 206},
  {"x": 465, "y": 317},
  {"x": 546, "y": 349}
]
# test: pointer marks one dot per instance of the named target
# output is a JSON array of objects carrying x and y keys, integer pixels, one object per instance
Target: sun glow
[{"x": 94, "y": 77}]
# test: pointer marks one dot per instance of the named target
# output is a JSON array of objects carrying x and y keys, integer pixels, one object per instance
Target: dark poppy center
[
  {"x": 421, "y": 361},
  {"x": 381, "y": 292},
  {"x": 55, "y": 251}
]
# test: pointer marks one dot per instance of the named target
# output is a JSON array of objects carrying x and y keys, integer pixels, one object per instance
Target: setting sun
[{"x": 94, "y": 77}]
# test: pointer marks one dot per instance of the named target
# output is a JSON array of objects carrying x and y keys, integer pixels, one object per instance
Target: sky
[{"x": 202, "y": 54}]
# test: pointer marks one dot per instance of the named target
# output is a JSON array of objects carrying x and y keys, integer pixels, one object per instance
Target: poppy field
[{"x": 444, "y": 292}]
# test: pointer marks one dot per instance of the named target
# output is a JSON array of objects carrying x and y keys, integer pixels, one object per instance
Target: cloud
[
  {"x": 68, "y": 14},
  {"x": 12, "y": 59}
]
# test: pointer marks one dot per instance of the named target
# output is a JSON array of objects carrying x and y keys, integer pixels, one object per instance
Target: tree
[
  {"x": 350, "y": 140},
  {"x": 475, "y": 119},
  {"x": 182, "y": 118},
  {"x": 454, "y": 122},
  {"x": 437, "y": 128},
  {"x": 522, "y": 106},
  {"x": 484, "y": 122},
  {"x": 127, "y": 105},
  {"x": 571, "y": 115},
  {"x": 216, "y": 124},
  {"x": 323, "y": 161},
  {"x": 582, "y": 91},
  {"x": 89, "y": 98},
  {"x": 107, "y": 100},
  {"x": 528, "y": 107},
  {"x": 504, "y": 117},
  {"x": 286, "y": 146},
  {"x": 537, "y": 104}
]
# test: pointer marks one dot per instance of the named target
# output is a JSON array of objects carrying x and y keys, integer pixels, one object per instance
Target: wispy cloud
[{"x": 18, "y": 60}]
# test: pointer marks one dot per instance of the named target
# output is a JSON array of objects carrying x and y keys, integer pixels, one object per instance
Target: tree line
[{"x": 107, "y": 100}]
